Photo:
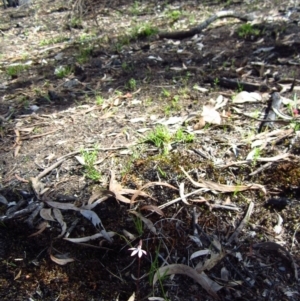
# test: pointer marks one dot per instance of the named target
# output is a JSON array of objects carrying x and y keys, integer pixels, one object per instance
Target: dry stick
[
  {"x": 90, "y": 149},
  {"x": 49, "y": 169},
  {"x": 179, "y": 199},
  {"x": 260, "y": 169},
  {"x": 242, "y": 224},
  {"x": 62, "y": 159},
  {"x": 40, "y": 135},
  {"x": 269, "y": 159},
  {"x": 206, "y": 23}
]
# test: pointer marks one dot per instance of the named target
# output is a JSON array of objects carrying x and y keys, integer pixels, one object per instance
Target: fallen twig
[
  {"x": 198, "y": 29},
  {"x": 243, "y": 223}
]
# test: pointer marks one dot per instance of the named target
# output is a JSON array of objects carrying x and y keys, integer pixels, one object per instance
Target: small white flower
[{"x": 138, "y": 250}]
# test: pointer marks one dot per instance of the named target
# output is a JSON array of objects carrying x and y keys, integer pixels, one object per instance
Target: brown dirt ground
[{"x": 70, "y": 119}]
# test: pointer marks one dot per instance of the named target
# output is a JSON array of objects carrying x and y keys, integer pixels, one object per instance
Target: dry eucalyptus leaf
[
  {"x": 214, "y": 259},
  {"x": 128, "y": 234},
  {"x": 200, "y": 253},
  {"x": 106, "y": 235},
  {"x": 278, "y": 228},
  {"x": 153, "y": 209},
  {"x": 200, "y": 124},
  {"x": 3, "y": 200},
  {"x": 50, "y": 157},
  {"x": 201, "y": 89},
  {"x": 58, "y": 216},
  {"x": 116, "y": 188},
  {"x": 46, "y": 214},
  {"x": 96, "y": 195},
  {"x": 140, "y": 192},
  {"x": 196, "y": 240},
  {"x": 224, "y": 274},
  {"x": 18, "y": 275},
  {"x": 209, "y": 285},
  {"x": 171, "y": 120},
  {"x": 42, "y": 227},
  {"x": 80, "y": 160},
  {"x": 92, "y": 217},
  {"x": 61, "y": 259},
  {"x": 132, "y": 297},
  {"x": 181, "y": 193},
  {"x": 222, "y": 187},
  {"x": 63, "y": 206},
  {"x": 245, "y": 96},
  {"x": 210, "y": 115},
  {"x": 37, "y": 186},
  {"x": 88, "y": 238},
  {"x": 138, "y": 119}
]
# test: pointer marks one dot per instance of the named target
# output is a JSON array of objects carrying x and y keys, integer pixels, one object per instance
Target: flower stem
[{"x": 138, "y": 281}]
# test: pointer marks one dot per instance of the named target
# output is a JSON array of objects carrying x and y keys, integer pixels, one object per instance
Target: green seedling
[
  {"x": 122, "y": 41},
  {"x": 52, "y": 41},
  {"x": 174, "y": 106},
  {"x": 181, "y": 136},
  {"x": 166, "y": 93},
  {"x": 186, "y": 78},
  {"x": 99, "y": 100},
  {"x": 255, "y": 114},
  {"x": 161, "y": 172},
  {"x": 76, "y": 23},
  {"x": 216, "y": 82},
  {"x": 10, "y": 264},
  {"x": 154, "y": 265},
  {"x": 15, "y": 70},
  {"x": 89, "y": 158},
  {"x": 240, "y": 87},
  {"x": 160, "y": 137},
  {"x": 125, "y": 66},
  {"x": 175, "y": 99},
  {"x": 292, "y": 106},
  {"x": 148, "y": 101},
  {"x": 296, "y": 126},
  {"x": 24, "y": 101},
  {"x": 155, "y": 268},
  {"x": 63, "y": 71},
  {"x": 138, "y": 223},
  {"x": 37, "y": 130},
  {"x": 84, "y": 37},
  {"x": 131, "y": 85},
  {"x": 143, "y": 31},
  {"x": 256, "y": 155},
  {"x": 84, "y": 55},
  {"x": 25, "y": 56},
  {"x": 173, "y": 15},
  {"x": 246, "y": 31},
  {"x": 192, "y": 19},
  {"x": 135, "y": 9}
]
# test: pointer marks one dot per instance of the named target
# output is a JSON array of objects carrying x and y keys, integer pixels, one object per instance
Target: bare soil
[{"x": 119, "y": 88}]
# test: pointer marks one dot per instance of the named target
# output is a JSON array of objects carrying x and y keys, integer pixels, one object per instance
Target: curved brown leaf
[
  {"x": 139, "y": 192},
  {"x": 209, "y": 285}
]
